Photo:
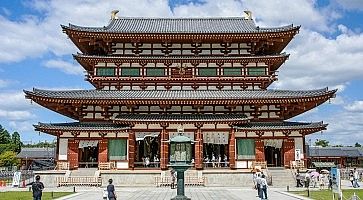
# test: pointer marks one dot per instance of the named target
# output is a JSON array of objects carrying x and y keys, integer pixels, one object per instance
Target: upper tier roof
[
  {"x": 181, "y": 25},
  {"x": 178, "y": 94}
]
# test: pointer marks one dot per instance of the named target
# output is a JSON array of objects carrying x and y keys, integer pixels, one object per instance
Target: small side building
[
  {"x": 37, "y": 158},
  {"x": 340, "y": 156}
]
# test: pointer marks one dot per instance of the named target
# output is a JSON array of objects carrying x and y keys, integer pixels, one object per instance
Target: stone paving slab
[{"x": 197, "y": 193}]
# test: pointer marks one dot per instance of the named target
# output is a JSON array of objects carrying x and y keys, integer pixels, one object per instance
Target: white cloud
[
  {"x": 21, "y": 127},
  {"x": 356, "y": 106},
  {"x": 65, "y": 66},
  {"x": 16, "y": 115},
  {"x": 317, "y": 61},
  {"x": 351, "y": 4},
  {"x": 4, "y": 83}
]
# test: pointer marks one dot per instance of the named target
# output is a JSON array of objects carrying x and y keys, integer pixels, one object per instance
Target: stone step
[{"x": 84, "y": 172}]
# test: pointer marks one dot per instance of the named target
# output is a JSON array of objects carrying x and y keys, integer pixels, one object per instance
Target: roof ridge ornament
[
  {"x": 114, "y": 14},
  {"x": 248, "y": 14}
]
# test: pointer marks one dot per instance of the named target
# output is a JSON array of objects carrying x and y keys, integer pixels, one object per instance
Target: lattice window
[
  {"x": 207, "y": 71},
  {"x": 105, "y": 71},
  {"x": 130, "y": 72},
  {"x": 256, "y": 71},
  {"x": 232, "y": 71},
  {"x": 117, "y": 149},
  {"x": 155, "y": 72},
  {"x": 245, "y": 148}
]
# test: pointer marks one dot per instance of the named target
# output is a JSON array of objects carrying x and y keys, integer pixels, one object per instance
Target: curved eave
[
  {"x": 58, "y": 128},
  {"x": 76, "y": 34},
  {"x": 133, "y": 119},
  {"x": 38, "y": 95},
  {"x": 88, "y": 62}
]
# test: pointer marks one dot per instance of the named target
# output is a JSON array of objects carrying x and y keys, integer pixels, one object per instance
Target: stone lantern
[{"x": 180, "y": 161}]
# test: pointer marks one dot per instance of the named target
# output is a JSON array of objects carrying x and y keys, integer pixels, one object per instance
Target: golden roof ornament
[
  {"x": 248, "y": 14},
  {"x": 114, "y": 14}
]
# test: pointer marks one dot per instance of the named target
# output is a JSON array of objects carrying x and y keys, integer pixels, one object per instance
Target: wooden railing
[
  {"x": 262, "y": 164},
  {"x": 62, "y": 165},
  {"x": 297, "y": 164},
  {"x": 106, "y": 165},
  {"x": 79, "y": 181},
  {"x": 188, "y": 181}
]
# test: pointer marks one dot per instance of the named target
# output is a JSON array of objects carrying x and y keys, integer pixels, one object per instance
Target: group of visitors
[
  {"x": 354, "y": 177},
  {"x": 217, "y": 161},
  {"x": 260, "y": 184},
  {"x": 312, "y": 178}
]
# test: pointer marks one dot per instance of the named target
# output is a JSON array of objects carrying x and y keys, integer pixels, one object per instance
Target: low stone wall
[
  {"x": 130, "y": 178},
  {"x": 49, "y": 177},
  {"x": 232, "y": 178}
]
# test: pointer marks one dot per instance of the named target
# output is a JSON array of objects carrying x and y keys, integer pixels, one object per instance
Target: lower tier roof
[
  {"x": 57, "y": 128},
  {"x": 109, "y": 95}
]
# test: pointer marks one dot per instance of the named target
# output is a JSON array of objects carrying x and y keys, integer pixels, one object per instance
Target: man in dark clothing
[
  {"x": 111, "y": 190},
  {"x": 37, "y": 188}
]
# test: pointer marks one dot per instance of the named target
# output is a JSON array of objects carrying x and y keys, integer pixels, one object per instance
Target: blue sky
[{"x": 328, "y": 52}]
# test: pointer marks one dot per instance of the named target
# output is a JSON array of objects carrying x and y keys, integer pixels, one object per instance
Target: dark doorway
[
  {"x": 88, "y": 157},
  {"x": 148, "y": 154},
  {"x": 273, "y": 156},
  {"x": 215, "y": 155}
]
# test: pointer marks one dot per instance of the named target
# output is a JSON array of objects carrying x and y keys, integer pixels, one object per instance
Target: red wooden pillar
[
  {"x": 198, "y": 146},
  {"x": 164, "y": 150},
  {"x": 232, "y": 151},
  {"x": 73, "y": 153},
  {"x": 289, "y": 151},
  {"x": 259, "y": 150},
  {"x": 103, "y": 150},
  {"x": 132, "y": 149}
]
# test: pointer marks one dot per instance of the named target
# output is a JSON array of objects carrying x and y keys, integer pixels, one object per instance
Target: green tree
[
  {"x": 357, "y": 144},
  {"x": 5, "y": 137},
  {"x": 8, "y": 158},
  {"x": 323, "y": 143},
  {"x": 15, "y": 137}
]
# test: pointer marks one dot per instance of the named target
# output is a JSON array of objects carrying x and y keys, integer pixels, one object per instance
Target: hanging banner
[
  {"x": 297, "y": 154},
  {"x": 142, "y": 135},
  {"x": 186, "y": 134},
  {"x": 335, "y": 177},
  {"x": 215, "y": 137},
  {"x": 16, "y": 179}
]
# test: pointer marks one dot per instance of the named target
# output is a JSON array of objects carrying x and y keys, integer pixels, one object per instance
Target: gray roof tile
[
  {"x": 280, "y": 125},
  {"x": 181, "y": 25},
  {"x": 334, "y": 152},
  {"x": 84, "y": 126},
  {"x": 178, "y": 94},
  {"x": 36, "y": 153}
]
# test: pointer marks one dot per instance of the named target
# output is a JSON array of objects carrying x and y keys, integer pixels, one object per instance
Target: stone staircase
[
  {"x": 85, "y": 172},
  {"x": 282, "y": 177}
]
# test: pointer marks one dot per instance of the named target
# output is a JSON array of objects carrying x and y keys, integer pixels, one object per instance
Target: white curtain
[
  {"x": 215, "y": 137},
  {"x": 141, "y": 135},
  {"x": 87, "y": 143},
  {"x": 63, "y": 148},
  {"x": 186, "y": 134},
  {"x": 277, "y": 143}
]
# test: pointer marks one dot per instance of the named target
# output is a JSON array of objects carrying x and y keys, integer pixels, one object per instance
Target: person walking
[
  {"x": 258, "y": 186},
  {"x": 263, "y": 187},
  {"x": 173, "y": 177},
  {"x": 351, "y": 177},
  {"x": 111, "y": 194},
  {"x": 37, "y": 188},
  {"x": 298, "y": 179},
  {"x": 356, "y": 178}
]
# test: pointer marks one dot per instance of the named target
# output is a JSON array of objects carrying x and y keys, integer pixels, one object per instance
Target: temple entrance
[
  {"x": 215, "y": 149},
  {"x": 215, "y": 155},
  {"x": 148, "y": 154},
  {"x": 273, "y": 153},
  {"x": 88, "y": 153}
]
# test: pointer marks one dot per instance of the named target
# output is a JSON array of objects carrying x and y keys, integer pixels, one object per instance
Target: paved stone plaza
[{"x": 197, "y": 193}]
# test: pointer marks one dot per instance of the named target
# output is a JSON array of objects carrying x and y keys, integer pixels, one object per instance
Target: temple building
[{"x": 155, "y": 77}]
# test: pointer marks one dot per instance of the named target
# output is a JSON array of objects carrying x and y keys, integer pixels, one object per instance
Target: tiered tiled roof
[
  {"x": 81, "y": 126},
  {"x": 277, "y": 59},
  {"x": 179, "y": 94},
  {"x": 281, "y": 126},
  {"x": 181, "y": 25}
]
